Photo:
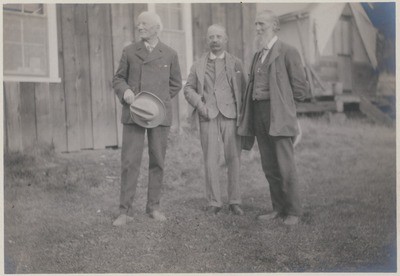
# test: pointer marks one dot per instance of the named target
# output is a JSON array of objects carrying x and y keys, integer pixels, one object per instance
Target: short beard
[{"x": 259, "y": 42}]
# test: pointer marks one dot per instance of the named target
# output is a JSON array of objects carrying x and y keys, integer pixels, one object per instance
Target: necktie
[
  {"x": 264, "y": 54},
  {"x": 149, "y": 48}
]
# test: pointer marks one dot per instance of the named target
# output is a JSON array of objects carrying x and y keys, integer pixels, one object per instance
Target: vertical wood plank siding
[
  {"x": 70, "y": 77},
  {"x": 82, "y": 76},
  {"x": 43, "y": 116},
  {"x": 101, "y": 72},
  {"x": 12, "y": 114},
  {"x": 237, "y": 18},
  {"x": 82, "y": 112},
  {"x": 218, "y": 14},
  {"x": 201, "y": 16},
  {"x": 234, "y": 29},
  {"x": 57, "y": 97},
  {"x": 248, "y": 33},
  {"x": 123, "y": 27},
  {"x": 28, "y": 114}
]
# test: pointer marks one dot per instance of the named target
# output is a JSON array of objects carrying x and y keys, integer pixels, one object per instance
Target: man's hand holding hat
[{"x": 129, "y": 96}]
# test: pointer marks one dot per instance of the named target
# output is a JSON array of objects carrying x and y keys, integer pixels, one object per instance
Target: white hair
[
  {"x": 271, "y": 16},
  {"x": 156, "y": 18}
]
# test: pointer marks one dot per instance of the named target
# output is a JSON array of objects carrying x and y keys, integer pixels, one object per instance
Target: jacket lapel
[
  {"x": 201, "y": 69},
  {"x": 275, "y": 52},
  {"x": 156, "y": 53},
  {"x": 141, "y": 51},
  {"x": 253, "y": 65},
  {"x": 230, "y": 66}
]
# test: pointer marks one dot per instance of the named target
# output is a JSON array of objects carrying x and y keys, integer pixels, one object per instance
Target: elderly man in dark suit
[
  {"x": 214, "y": 89},
  {"x": 147, "y": 65},
  {"x": 277, "y": 80}
]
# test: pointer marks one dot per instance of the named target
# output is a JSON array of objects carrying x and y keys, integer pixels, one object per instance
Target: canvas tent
[
  {"x": 325, "y": 17},
  {"x": 337, "y": 41}
]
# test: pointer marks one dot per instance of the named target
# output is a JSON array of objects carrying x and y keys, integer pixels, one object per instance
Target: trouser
[
  {"x": 277, "y": 159},
  {"x": 211, "y": 133},
  {"x": 131, "y": 157}
]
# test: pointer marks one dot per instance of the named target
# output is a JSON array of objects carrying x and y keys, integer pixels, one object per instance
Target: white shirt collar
[
  {"x": 272, "y": 42},
  {"x": 153, "y": 46},
  {"x": 221, "y": 56}
]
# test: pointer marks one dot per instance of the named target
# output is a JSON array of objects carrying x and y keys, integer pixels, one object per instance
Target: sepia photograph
[{"x": 199, "y": 137}]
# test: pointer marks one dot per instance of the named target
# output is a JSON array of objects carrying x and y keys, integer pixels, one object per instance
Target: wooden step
[
  {"x": 315, "y": 107},
  {"x": 374, "y": 113}
]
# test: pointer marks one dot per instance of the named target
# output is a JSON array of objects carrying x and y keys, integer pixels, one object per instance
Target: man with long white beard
[{"x": 277, "y": 79}]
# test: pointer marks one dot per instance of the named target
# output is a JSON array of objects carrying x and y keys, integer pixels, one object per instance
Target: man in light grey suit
[{"x": 214, "y": 89}]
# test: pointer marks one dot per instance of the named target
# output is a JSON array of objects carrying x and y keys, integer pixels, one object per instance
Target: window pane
[
  {"x": 12, "y": 58},
  {"x": 35, "y": 60},
  {"x": 35, "y": 30},
  {"x": 26, "y": 42},
  {"x": 12, "y": 28},
  {"x": 13, "y": 7}
]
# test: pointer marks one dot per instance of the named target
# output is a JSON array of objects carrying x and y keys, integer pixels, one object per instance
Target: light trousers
[{"x": 212, "y": 132}]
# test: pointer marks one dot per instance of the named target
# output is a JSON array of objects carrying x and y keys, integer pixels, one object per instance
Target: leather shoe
[
  {"x": 269, "y": 216},
  {"x": 213, "y": 210},
  {"x": 291, "y": 220},
  {"x": 157, "y": 215},
  {"x": 122, "y": 220},
  {"x": 235, "y": 208}
]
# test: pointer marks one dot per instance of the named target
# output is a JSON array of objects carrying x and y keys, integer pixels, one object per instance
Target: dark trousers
[
  {"x": 277, "y": 159},
  {"x": 131, "y": 157}
]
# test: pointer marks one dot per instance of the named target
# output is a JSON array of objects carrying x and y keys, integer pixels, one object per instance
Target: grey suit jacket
[
  {"x": 288, "y": 84},
  {"x": 194, "y": 91}
]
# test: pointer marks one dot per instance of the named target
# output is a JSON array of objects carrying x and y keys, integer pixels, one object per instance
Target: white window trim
[
  {"x": 187, "y": 27},
  {"x": 53, "y": 52}
]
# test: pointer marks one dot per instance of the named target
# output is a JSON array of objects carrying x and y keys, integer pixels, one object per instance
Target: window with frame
[{"x": 30, "y": 43}]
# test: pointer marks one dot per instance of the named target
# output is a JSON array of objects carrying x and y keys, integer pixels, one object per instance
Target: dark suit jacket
[
  {"x": 287, "y": 81},
  {"x": 194, "y": 86},
  {"x": 157, "y": 72}
]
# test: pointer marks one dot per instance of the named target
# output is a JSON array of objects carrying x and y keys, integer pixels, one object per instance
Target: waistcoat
[{"x": 219, "y": 96}]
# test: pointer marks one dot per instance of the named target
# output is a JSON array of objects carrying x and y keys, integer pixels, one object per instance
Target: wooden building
[{"x": 59, "y": 60}]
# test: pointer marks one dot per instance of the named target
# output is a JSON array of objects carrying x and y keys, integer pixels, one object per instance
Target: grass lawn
[{"x": 59, "y": 208}]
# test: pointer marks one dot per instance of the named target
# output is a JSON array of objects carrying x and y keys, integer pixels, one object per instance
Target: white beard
[{"x": 259, "y": 42}]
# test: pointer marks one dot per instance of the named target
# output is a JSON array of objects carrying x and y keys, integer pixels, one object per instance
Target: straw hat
[{"x": 147, "y": 110}]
